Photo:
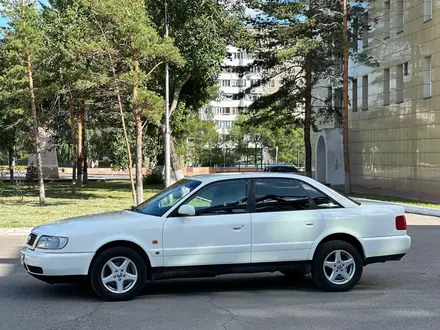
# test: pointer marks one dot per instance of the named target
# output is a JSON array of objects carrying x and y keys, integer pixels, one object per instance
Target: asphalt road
[{"x": 394, "y": 295}]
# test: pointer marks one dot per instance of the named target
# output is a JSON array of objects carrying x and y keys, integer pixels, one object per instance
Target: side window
[
  {"x": 228, "y": 197},
  {"x": 321, "y": 200},
  {"x": 277, "y": 195}
]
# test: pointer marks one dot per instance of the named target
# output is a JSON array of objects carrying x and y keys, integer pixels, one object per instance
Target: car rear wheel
[
  {"x": 118, "y": 273},
  {"x": 337, "y": 266}
]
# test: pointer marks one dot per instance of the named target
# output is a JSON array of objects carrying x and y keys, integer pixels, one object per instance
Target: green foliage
[
  {"x": 201, "y": 30},
  {"x": 290, "y": 31},
  {"x": 247, "y": 135},
  {"x": 195, "y": 138},
  {"x": 2, "y": 187},
  {"x": 153, "y": 179}
]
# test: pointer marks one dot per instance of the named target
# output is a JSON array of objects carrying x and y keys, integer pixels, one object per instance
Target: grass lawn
[
  {"x": 397, "y": 200},
  {"x": 96, "y": 197}
]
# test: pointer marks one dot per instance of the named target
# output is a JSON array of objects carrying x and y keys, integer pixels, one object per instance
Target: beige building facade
[{"x": 394, "y": 112}]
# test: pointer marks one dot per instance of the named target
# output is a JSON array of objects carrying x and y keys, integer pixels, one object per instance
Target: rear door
[{"x": 285, "y": 222}]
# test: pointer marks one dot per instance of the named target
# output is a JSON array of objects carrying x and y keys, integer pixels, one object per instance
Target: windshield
[{"x": 160, "y": 203}]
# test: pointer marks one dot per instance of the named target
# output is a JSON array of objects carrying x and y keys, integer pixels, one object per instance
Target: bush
[
  {"x": 2, "y": 187},
  {"x": 153, "y": 178}
]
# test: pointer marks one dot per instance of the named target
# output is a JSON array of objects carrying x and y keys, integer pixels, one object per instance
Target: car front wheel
[
  {"x": 118, "y": 273},
  {"x": 337, "y": 266}
]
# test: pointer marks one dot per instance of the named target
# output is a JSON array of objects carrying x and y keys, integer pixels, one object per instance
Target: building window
[
  {"x": 399, "y": 83},
  {"x": 386, "y": 86},
  {"x": 427, "y": 10},
  {"x": 356, "y": 34},
  {"x": 405, "y": 68},
  {"x": 271, "y": 83},
  {"x": 365, "y": 93},
  {"x": 226, "y": 83},
  {"x": 354, "y": 95},
  {"x": 226, "y": 111},
  {"x": 328, "y": 101},
  {"x": 386, "y": 19},
  {"x": 238, "y": 83},
  {"x": 427, "y": 77},
  {"x": 365, "y": 28},
  {"x": 399, "y": 16},
  {"x": 239, "y": 56},
  {"x": 338, "y": 107}
]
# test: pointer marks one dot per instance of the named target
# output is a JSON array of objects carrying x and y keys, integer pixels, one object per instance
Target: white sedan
[{"x": 220, "y": 224}]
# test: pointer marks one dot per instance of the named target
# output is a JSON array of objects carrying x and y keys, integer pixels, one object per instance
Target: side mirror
[{"x": 187, "y": 210}]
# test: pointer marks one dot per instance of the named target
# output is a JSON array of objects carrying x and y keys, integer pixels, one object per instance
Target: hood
[{"x": 89, "y": 222}]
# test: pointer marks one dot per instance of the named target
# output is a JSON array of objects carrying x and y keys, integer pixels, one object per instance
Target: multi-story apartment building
[
  {"x": 226, "y": 108},
  {"x": 394, "y": 114}
]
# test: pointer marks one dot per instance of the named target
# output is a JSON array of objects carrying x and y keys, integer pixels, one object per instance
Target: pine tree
[{"x": 22, "y": 47}]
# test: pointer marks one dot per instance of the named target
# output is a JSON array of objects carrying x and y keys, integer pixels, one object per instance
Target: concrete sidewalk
[{"x": 414, "y": 195}]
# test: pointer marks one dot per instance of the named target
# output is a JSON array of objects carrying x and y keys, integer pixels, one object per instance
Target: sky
[{"x": 3, "y": 21}]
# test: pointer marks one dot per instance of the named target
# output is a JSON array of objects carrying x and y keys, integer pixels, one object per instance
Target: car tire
[
  {"x": 118, "y": 273},
  {"x": 337, "y": 266}
]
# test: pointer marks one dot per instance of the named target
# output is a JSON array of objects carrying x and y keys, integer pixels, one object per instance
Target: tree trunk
[
  {"x": 137, "y": 116},
  {"x": 85, "y": 178},
  {"x": 79, "y": 142},
  {"x": 308, "y": 115},
  {"x": 139, "y": 182},
  {"x": 124, "y": 130},
  {"x": 175, "y": 165},
  {"x": 74, "y": 146},
  {"x": 42, "y": 193},
  {"x": 11, "y": 163},
  {"x": 127, "y": 145}
]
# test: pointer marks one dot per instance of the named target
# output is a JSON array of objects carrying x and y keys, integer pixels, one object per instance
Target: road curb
[{"x": 408, "y": 208}]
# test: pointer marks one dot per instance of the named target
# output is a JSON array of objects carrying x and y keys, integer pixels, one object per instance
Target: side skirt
[{"x": 161, "y": 273}]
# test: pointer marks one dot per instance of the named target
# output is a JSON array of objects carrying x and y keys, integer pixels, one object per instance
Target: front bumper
[{"x": 55, "y": 264}]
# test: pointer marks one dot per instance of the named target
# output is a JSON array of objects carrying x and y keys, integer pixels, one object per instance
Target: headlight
[{"x": 52, "y": 242}]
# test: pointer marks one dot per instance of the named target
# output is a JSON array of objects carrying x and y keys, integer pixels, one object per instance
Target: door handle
[
  {"x": 238, "y": 227},
  {"x": 310, "y": 223}
]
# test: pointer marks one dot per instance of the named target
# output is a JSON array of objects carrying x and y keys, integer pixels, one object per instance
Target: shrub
[{"x": 153, "y": 178}]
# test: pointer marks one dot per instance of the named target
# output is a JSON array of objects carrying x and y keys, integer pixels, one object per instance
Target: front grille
[{"x": 31, "y": 239}]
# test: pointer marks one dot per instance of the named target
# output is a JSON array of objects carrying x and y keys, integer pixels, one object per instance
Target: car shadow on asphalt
[
  {"x": 249, "y": 284},
  {"x": 230, "y": 283}
]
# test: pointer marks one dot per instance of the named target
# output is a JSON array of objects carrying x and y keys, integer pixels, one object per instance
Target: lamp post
[{"x": 167, "y": 112}]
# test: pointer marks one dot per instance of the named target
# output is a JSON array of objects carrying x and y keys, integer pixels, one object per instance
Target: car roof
[
  {"x": 243, "y": 175},
  {"x": 280, "y": 165}
]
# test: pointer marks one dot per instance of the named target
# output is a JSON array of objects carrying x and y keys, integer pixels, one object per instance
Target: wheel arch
[
  {"x": 127, "y": 244},
  {"x": 341, "y": 237}
]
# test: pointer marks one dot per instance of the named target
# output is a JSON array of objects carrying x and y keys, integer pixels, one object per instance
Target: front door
[
  {"x": 219, "y": 233},
  {"x": 284, "y": 223}
]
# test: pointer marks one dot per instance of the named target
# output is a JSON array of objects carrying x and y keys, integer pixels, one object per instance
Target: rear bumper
[
  {"x": 375, "y": 260},
  {"x": 41, "y": 264},
  {"x": 385, "y": 248}
]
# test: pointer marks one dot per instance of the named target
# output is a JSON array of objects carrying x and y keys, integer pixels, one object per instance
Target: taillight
[{"x": 401, "y": 222}]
